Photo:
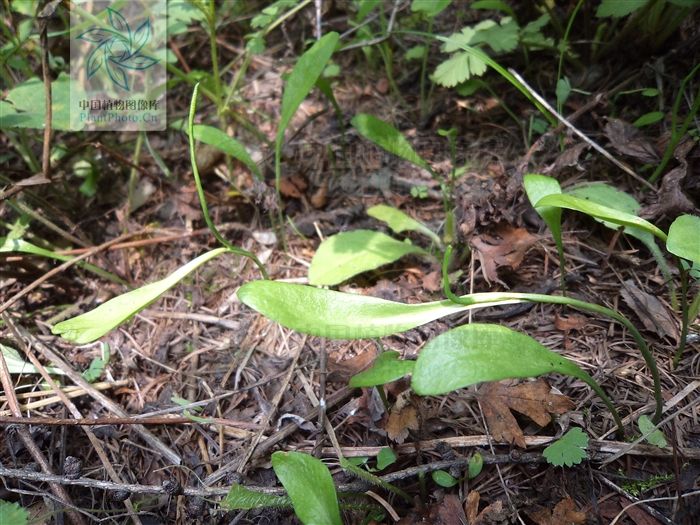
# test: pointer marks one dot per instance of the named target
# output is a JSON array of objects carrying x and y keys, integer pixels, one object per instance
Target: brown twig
[{"x": 99, "y": 421}]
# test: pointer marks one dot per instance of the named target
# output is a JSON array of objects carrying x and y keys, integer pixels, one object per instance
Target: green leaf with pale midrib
[
  {"x": 94, "y": 324},
  {"x": 310, "y": 487},
  {"x": 347, "y": 254},
  {"x": 477, "y": 353},
  {"x": 339, "y": 315},
  {"x": 599, "y": 211},
  {"x": 221, "y": 141},
  {"x": 399, "y": 222}
]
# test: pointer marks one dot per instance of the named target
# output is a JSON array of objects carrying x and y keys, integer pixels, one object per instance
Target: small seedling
[{"x": 568, "y": 450}]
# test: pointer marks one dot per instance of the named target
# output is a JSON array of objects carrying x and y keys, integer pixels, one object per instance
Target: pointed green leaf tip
[
  {"x": 569, "y": 450},
  {"x": 310, "y": 487},
  {"x": 477, "y": 353},
  {"x": 399, "y": 222},
  {"x": 338, "y": 315},
  {"x": 387, "y": 137},
  {"x": 347, "y": 254},
  {"x": 94, "y": 324}
]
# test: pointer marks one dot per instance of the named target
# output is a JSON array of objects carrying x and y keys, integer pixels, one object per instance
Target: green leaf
[
  {"x": 94, "y": 324},
  {"x": 458, "y": 68},
  {"x": 338, "y": 315},
  {"x": 302, "y": 79},
  {"x": 25, "y": 105},
  {"x": 655, "y": 436},
  {"x": 619, "y": 8},
  {"x": 242, "y": 498},
  {"x": 17, "y": 365},
  {"x": 600, "y": 212},
  {"x": 310, "y": 487},
  {"x": 399, "y": 222},
  {"x": 416, "y": 53},
  {"x": 493, "y": 5},
  {"x": 502, "y": 37},
  {"x": 97, "y": 365},
  {"x": 569, "y": 450},
  {"x": 443, "y": 479},
  {"x": 476, "y": 465},
  {"x": 477, "y": 353},
  {"x": 429, "y": 8},
  {"x": 13, "y": 514},
  {"x": 563, "y": 90},
  {"x": 537, "y": 187},
  {"x": 387, "y": 367},
  {"x": 221, "y": 141},
  {"x": 347, "y": 254},
  {"x": 683, "y": 238},
  {"x": 648, "y": 118},
  {"x": 385, "y": 458},
  {"x": 387, "y": 137}
]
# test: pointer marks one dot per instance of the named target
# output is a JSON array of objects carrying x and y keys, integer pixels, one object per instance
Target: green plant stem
[
  {"x": 564, "y": 40},
  {"x": 202, "y": 198},
  {"x": 485, "y": 298},
  {"x": 423, "y": 70},
  {"x": 213, "y": 50},
  {"x": 134, "y": 174},
  {"x": 677, "y": 134},
  {"x": 684, "y": 314}
]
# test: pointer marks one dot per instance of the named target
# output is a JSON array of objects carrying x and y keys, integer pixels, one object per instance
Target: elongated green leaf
[
  {"x": 17, "y": 365},
  {"x": 242, "y": 498},
  {"x": 20, "y": 245},
  {"x": 444, "y": 479},
  {"x": 310, "y": 487},
  {"x": 221, "y": 141},
  {"x": 536, "y": 187},
  {"x": 653, "y": 434},
  {"x": 387, "y": 137},
  {"x": 303, "y": 78},
  {"x": 94, "y": 324},
  {"x": 385, "y": 369},
  {"x": 568, "y": 450},
  {"x": 429, "y": 8},
  {"x": 684, "y": 238},
  {"x": 599, "y": 211},
  {"x": 399, "y": 222},
  {"x": 477, "y": 353},
  {"x": 619, "y": 8},
  {"x": 347, "y": 254},
  {"x": 339, "y": 315}
]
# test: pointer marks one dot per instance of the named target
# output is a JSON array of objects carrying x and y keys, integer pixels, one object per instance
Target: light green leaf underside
[
  {"x": 655, "y": 436},
  {"x": 568, "y": 450},
  {"x": 684, "y": 238},
  {"x": 17, "y": 365},
  {"x": 347, "y": 254},
  {"x": 241, "y": 498},
  {"x": 221, "y": 141},
  {"x": 599, "y": 211},
  {"x": 399, "y": 222},
  {"x": 385, "y": 369},
  {"x": 310, "y": 487},
  {"x": 477, "y": 353},
  {"x": 537, "y": 187},
  {"x": 338, "y": 315},
  {"x": 387, "y": 137},
  {"x": 94, "y": 324}
]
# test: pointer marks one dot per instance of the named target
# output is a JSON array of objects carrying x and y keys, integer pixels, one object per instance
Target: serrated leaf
[
  {"x": 387, "y": 367},
  {"x": 684, "y": 238},
  {"x": 13, "y": 514},
  {"x": 619, "y": 8},
  {"x": 242, "y": 498},
  {"x": 399, "y": 222},
  {"x": 458, "y": 68},
  {"x": 600, "y": 212},
  {"x": 502, "y": 38},
  {"x": 568, "y": 450},
  {"x": 221, "y": 141},
  {"x": 347, "y": 254},
  {"x": 387, "y": 137},
  {"x": 444, "y": 479},
  {"x": 477, "y": 353},
  {"x": 654, "y": 435},
  {"x": 92, "y": 325},
  {"x": 310, "y": 487},
  {"x": 385, "y": 458},
  {"x": 338, "y": 315}
]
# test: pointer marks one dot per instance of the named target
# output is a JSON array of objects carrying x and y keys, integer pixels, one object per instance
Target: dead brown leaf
[
  {"x": 532, "y": 399},
  {"x": 293, "y": 187},
  {"x": 507, "y": 248},
  {"x": 471, "y": 506},
  {"x": 566, "y": 323},
  {"x": 670, "y": 200},
  {"x": 403, "y": 417},
  {"x": 448, "y": 512},
  {"x": 652, "y": 312},
  {"x": 625, "y": 138},
  {"x": 342, "y": 371},
  {"x": 564, "y": 513}
]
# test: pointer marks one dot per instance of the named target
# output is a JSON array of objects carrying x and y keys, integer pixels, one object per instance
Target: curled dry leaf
[
  {"x": 626, "y": 139},
  {"x": 564, "y": 513},
  {"x": 403, "y": 417},
  {"x": 652, "y": 312},
  {"x": 670, "y": 200},
  {"x": 533, "y": 399},
  {"x": 566, "y": 323},
  {"x": 507, "y": 248}
]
